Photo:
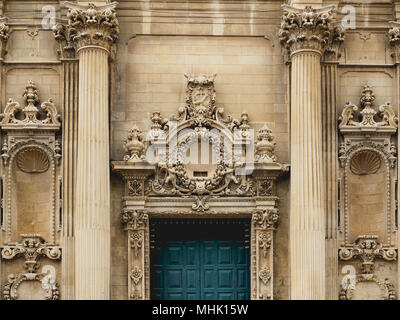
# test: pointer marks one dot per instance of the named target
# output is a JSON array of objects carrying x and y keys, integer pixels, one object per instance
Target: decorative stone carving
[
  {"x": 90, "y": 25},
  {"x": 264, "y": 222},
  {"x": 46, "y": 117},
  {"x": 64, "y": 35},
  {"x": 136, "y": 222},
  {"x": 4, "y": 35},
  {"x": 350, "y": 119},
  {"x": 134, "y": 145},
  {"x": 365, "y": 162},
  {"x": 367, "y": 248},
  {"x": 31, "y": 142},
  {"x": 10, "y": 291},
  {"x": 32, "y": 248},
  {"x": 386, "y": 290},
  {"x": 265, "y": 146},
  {"x": 168, "y": 185},
  {"x": 33, "y": 161},
  {"x": 266, "y": 219},
  {"x": 307, "y": 28}
]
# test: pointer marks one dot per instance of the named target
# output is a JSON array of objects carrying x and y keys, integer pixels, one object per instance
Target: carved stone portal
[{"x": 162, "y": 180}]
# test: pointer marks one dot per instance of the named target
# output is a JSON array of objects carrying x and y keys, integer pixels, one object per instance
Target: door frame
[{"x": 263, "y": 224}]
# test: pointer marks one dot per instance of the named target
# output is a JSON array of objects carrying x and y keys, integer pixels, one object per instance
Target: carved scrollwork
[
  {"x": 48, "y": 283},
  {"x": 367, "y": 249},
  {"x": 30, "y": 116},
  {"x": 350, "y": 119},
  {"x": 32, "y": 248},
  {"x": 386, "y": 288}
]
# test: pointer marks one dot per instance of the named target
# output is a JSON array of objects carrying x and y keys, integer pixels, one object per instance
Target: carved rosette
[
  {"x": 88, "y": 25},
  {"x": 137, "y": 225},
  {"x": 308, "y": 29},
  {"x": 264, "y": 222}
]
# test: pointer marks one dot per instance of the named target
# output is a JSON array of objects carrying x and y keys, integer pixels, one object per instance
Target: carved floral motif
[
  {"x": 308, "y": 28},
  {"x": 350, "y": 118},
  {"x": 266, "y": 219},
  {"x": 88, "y": 25}
]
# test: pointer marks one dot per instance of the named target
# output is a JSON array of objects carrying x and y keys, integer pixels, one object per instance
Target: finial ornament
[{"x": 369, "y": 116}]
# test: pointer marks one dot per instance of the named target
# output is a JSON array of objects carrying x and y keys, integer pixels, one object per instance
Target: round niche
[
  {"x": 33, "y": 160},
  {"x": 365, "y": 162}
]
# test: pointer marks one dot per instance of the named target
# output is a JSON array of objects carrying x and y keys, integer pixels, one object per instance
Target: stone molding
[{"x": 32, "y": 248}]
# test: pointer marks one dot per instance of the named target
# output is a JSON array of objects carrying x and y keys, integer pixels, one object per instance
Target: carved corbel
[
  {"x": 137, "y": 225},
  {"x": 4, "y": 35},
  {"x": 367, "y": 249},
  {"x": 264, "y": 222}
]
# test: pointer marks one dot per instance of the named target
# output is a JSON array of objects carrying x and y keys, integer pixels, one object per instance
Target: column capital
[
  {"x": 88, "y": 25},
  {"x": 310, "y": 29},
  {"x": 4, "y": 35},
  {"x": 394, "y": 39}
]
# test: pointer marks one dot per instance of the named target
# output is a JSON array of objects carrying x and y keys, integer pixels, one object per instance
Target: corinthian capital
[
  {"x": 307, "y": 28},
  {"x": 394, "y": 38},
  {"x": 4, "y": 34},
  {"x": 89, "y": 25}
]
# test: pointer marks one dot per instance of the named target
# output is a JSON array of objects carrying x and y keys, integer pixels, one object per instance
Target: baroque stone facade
[{"x": 273, "y": 139}]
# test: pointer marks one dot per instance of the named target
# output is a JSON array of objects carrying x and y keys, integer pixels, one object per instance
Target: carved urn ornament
[
  {"x": 367, "y": 117},
  {"x": 134, "y": 145},
  {"x": 265, "y": 145}
]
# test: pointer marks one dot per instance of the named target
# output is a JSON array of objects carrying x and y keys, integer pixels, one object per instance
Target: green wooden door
[{"x": 200, "y": 259}]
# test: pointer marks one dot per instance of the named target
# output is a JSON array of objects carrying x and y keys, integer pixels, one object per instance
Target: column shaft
[
  {"x": 70, "y": 132},
  {"x": 329, "y": 129},
  {"x": 307, "y": 239},
  {"x": 93, "y": 179}
]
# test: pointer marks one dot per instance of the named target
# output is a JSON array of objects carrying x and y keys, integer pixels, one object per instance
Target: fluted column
[
  {"x": 330, "y": 152},
  {"x": 95, "y": 29},
  {"x": 304, "y": 33}
]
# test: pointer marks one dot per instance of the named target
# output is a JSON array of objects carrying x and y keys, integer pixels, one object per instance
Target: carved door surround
[
  {"x": 368, "y": 149},
  {"x": 169, "y": 187}
]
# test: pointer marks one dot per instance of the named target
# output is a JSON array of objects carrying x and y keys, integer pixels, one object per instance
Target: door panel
[{"x": 202, "y": 265}]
